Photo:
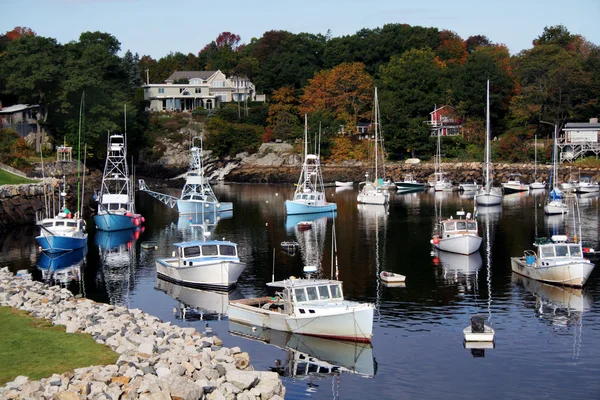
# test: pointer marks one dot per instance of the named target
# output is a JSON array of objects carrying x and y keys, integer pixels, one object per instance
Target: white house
[
  {"x": 188, "y": 90},
  {"x": 578, "y": 139}
]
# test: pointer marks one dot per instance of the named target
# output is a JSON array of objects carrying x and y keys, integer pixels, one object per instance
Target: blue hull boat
[
  {"x": 60, "y": 244},
  {"x": 117, "y": 222},
  {"x": 111, "y": 240},
  {"x": 293, "y": 208},
  {"x": 55, "y": 261}
]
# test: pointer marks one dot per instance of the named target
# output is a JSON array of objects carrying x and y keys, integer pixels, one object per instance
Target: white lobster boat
[
  {"x": 458, "y": 235},
  {"x": 208, "y": 264},
  {"x": 556, "y": 261},
  {"x": 514, "y": 184},
  {"x": 314, "y": 307}
]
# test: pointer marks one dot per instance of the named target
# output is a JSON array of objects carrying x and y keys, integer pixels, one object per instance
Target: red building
[{"x": 444, "y": 121}]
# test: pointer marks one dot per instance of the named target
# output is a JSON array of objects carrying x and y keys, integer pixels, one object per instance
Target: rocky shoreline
[{"x": 157, "y": 360}]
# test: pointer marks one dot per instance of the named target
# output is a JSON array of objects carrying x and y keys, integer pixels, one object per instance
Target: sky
[{"x": 156, "y": 28}]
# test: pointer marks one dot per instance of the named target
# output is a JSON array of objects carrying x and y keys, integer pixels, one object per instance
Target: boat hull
[
  {"x": 537, "y": 185},
  {"x": 117, "y": 222},
  {"x": 488, "y": 199},
  {"x": 376, "y": 198},
  {"x": 486, "y": 336},
  {"x": 390, "y": 277},
  {"x": 556, "y": 208},
  {"x": 354, "y": 323},
  {"x": 464, "y": 244},
  {"x": 410, "y": 185},
  {"x": 60, "y": 244},
  {"x": 344, "y": 184},
  {"x": 574, "y": 273},
  {"x": 588, "y": 189},
  {"x": 514, "y": 187},
  {"x": 220, "y": 275},
  {"x": 468, "y": 187},
  {"x": 186, "y": 207},
  {"x": 293, "y": 208}
]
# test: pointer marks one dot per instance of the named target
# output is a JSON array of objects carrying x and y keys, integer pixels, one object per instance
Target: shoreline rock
[{"x": 157, "y": 360}]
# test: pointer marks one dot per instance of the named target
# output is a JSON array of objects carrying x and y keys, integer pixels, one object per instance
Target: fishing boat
[
  {"x": 371, "y": 192},
  {"x": 410, "y": 182},
  {"x": 457, "y": 235},
  {"x": 570, "y": 185},
  {"x": 556, "y": 260},
  {"x": 197, "y": 195},
  {"x": 391, "y": 277},
  {"x": 344, "y": 184},
  {"x": 586, "y": 185},
  {"x": 63, "y": 232},
  {"x": 477, "y": 331},
  {"x": 213, "y": 264},
  {"x": 468, "y": 186},
  {"x": 309, "y": 196},
  {"x": 536, "y": 184},
  {"x": 488, "y": 195},
  {"x": 116, "y": 202},
  {"x": 314, "y": 307},
  {"x": 555, "y": 204},
  {"x": 514, "y": 184}
]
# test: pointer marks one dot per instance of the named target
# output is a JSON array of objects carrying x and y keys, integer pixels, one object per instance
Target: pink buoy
[
  {"x": 128, "y": 214},
  {"x": 143, "y": 219}
]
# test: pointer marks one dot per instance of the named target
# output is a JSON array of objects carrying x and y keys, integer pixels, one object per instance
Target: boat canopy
[{"x": 202, "y": 242}]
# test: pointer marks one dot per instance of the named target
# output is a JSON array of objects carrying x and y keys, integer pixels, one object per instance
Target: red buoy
[{"x": 436, "y": 240}]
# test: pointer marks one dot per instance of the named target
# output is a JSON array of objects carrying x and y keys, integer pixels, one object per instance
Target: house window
[
  {"x": 161, "y": 90},
  {"x": 198, "y": 90}
]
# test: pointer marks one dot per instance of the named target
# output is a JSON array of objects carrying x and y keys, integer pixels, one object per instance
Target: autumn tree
[
  {"x": 14, "y": 34},
  {"x": 451, "y": 48},
  {"x": 473, "y": 42},
  {"x": 346, "y": 91},
  {"x": 283, "y": 121}
]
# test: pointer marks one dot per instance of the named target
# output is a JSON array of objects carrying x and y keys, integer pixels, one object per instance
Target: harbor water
[{"x": 547, "y": 338}]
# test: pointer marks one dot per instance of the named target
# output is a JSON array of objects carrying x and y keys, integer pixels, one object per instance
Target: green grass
[
  {"x": 6, "y": 178},
  {"x": 33, "y": 347}
]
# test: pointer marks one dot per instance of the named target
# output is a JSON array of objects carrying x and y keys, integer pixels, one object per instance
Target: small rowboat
[
  {"x": 477, "y": 331},
  {"x": 304, "y": 225},
  {"x": 391, "y": 277},
  {"x": 149, "y": 245},
  {"x": 343, "y": 184},
  {"x": 289, "y": 245}
]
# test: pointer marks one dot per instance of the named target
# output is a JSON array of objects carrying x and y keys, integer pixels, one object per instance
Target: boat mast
[
  {"x": 555, "y": 170},
  {"x": 487, "y": 139},
  {"x": 535, "y": 159},
  {"x": 376, "y": 133},
  {"x": 79, "y": 150}
]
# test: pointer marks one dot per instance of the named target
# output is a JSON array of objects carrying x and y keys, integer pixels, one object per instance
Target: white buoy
[
  {"x": 266, "y": 224},
  {"x": 276, "y": 194}
]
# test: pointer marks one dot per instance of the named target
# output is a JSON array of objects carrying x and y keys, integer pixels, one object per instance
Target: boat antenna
[
  {"x": 319, "y": 141},
  {"x": 83, "y": 179},
  {"x": 337, "y": 270},
  {"x": 273, "y": 271},
  {"x": 44, "y": 180},
  {"x": 81, "y": 109}
]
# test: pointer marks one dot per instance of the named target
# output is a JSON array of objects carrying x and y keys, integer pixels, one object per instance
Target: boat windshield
[
  {"x": 547, "y": 251},
  {"x": 575, "y": 250},
  {"x": 210, "y": 250},
  {"x": 227, "y": 250},
  {"x": 449, "y": 226},
  {"x": 461, "y": 225},
  {"x": 562, "y": 250},
  {"x": 471, "y": 226},
  {"x": 321, "y": 292},
  {"x": 192, "y": 251}
]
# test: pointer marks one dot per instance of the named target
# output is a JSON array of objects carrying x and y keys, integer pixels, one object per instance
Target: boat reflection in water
[
  {"x": 194, "y": 226},
  {"x": 197, "y": 303},
  {"x": 458, "y": 268},
  {"x": 117, "y": 260},
  {"x": 62, "y": 268},
  {"x": 310, "y": 356},
  {"x": 562, "y": 306},
  {"x": 311, "y": 242}
]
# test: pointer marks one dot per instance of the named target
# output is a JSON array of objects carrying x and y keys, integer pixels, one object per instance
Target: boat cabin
[
  {"x": 310, "y": 198},
  {"x": 190, "y": 252},
  {"x": 307, "y": 291},
  {"x": 556, "y": 247},
  {"x": 450, "y": 227}
]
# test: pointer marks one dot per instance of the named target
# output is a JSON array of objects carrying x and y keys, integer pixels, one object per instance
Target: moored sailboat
[
  {"x": 488, "y": 195},
  {"x": 309, "y": 196}
]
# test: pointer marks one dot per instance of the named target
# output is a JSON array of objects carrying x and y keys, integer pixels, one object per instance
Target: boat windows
[
  {"x": 304, "y": 196},
  {"x": 562, "y": 250},
  {"x": 461, "y": 225},
  {"x": 227, "y": 250},
  {"x": 312, "y": 293},
  {"x": 210, "y": 250},
  {"x": 336, "y": 291},
  {"x": 192, "y": 251},
  {"x": 323, "y": 292},
  {"x": 575, "y": 250},
  {"x": 547, "y": 251},
  {"x": 312, "y": 197},
  {"x": 47, "y": 224},
  {"x": 300, "y": 294},
  {"x": 72, "y": 224},
  {"x": 471, "y": 226},
  {"x": 449, "y": 226}
]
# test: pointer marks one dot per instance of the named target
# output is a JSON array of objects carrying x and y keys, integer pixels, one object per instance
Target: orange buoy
[
  {"x": 436, "y": 240},
  {"x": 436, "y": 261}
]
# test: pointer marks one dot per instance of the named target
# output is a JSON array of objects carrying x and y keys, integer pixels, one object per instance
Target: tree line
[{"x": 332, "y": 79}]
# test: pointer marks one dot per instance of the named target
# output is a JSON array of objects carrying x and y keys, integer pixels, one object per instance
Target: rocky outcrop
[
  {"x": 20, "y": 203},
  {"x": 157, "y": 360}
]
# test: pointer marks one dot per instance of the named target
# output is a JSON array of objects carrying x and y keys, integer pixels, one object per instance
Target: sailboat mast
[
  {"x": 554, "y": 161},
  {"x": 535, "y": 159},
  {"x": 487, "y": 139},
  {"x": 79, "y": 151},
  {"x": 376, "y": 133}
]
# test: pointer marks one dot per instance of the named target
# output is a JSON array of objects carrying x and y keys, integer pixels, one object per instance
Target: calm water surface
[{"x": 547, "y": 338}]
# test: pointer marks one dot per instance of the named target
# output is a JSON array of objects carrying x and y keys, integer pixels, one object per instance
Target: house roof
[
  {"x": 447, "y": 107},
  {"x": 17, "y": 108},
  {"x": 178, "y": 75},
  {"x": 581, "y": 125}
]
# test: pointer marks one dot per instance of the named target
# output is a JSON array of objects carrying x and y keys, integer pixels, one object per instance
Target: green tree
[
  {"x": 31, "y": 69},
  {"x": 410, "y": 86}
]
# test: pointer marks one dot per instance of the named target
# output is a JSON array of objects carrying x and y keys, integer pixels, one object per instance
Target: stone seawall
[
  {"x": 157, "y": 360},
  {"x": 20, "y": 203},
  {"x": 458, "y": 172}
]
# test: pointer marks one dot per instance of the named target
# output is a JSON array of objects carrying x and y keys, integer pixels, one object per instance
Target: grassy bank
[
  {"x": 6, "y": 178},
  {"x": 34, "y": 348}
]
